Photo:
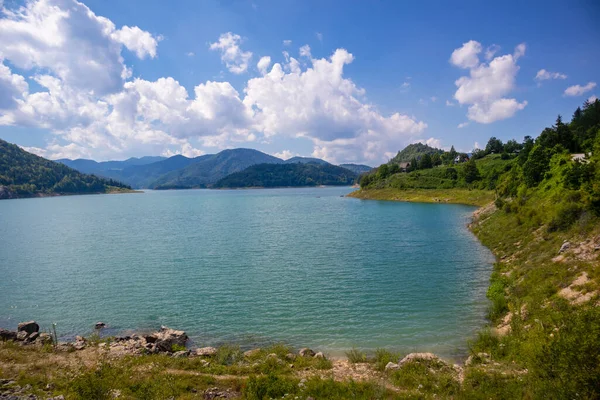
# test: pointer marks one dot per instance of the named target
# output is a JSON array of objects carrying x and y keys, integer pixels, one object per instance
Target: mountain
[
  {"x": 143, "y": 176},
  {"x": 286, "y": 175},
  {"x": 213, "y": 167},
  {"x": 357, "y": 168},
  {"x": 415, "y": 150},
  {"x": 94, "y": 167},
  {"x": 305, "y": 160},
  {"x": 23, "y": 174}
]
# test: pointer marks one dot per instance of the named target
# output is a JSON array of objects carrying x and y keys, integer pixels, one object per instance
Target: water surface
[{"x": 301, "y": 266}]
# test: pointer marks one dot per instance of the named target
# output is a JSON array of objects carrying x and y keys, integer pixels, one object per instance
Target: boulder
[
  {"x": 7, "y": 335},
  {"x": 391, "y": 366},
  {"x": 418, "y": 357},
  {"x": 319, "y": 355},
  {"x": 206, "y": 352},
  {"x": 479, "y": 358},
  {"x": 29, "y": 327},
  {"x": 306, "y": 352},
  {"x": 99, "y": 325},
  {"x": 252, "y": 353},
  {"x": 166, "y": 338},
  {"x": 565, "y": 246},
  {"x": 44, "y": 338},
  {"x": 290, "y": 356},
  {"x": 181, "y": 354},
  {"x": 32, "y": 337},
  {"x": 22, "y": 336}
]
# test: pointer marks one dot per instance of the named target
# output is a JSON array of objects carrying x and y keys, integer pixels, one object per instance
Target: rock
[
  {"x": 22, "y": 336},
  {"x": 565, "y": 246},
  {"x": 290, "y": 356},
  {"x": 29, "y": 327},
  {"x": 166, "y": 338},
  {"x": 99, "y": 325},
  {"x": 272, "y": 355},
  {"x": 32, "y": 337},
  {"x": 44, "y": 338},
  {"x": 252, "y": 353},
  {"x": 418, "y": 357},
  {"x": 480, "y": 358},
  {"x": 319, "y": 355},
  {"x": 306, "y": 352},
  {"x": 206, "y": 352},
  {"x": 391, "y": 366},
  {"x": 7, "y": 335},
  {"x": 79, "y": 343},
  {"x": 181, "y": 354}
]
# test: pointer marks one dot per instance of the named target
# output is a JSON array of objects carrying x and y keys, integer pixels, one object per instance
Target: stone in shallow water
[{"x": 29, "y": 327}]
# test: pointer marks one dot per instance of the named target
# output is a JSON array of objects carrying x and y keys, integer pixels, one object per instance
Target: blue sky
[{"x": 113, "y": 79}]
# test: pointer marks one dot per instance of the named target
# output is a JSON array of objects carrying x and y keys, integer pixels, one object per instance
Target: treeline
[{"x": 26, "y": 174}]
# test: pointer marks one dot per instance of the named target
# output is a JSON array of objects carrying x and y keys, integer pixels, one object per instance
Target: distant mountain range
[
  {"x": 23, "y": 174},
  {"x": 180, "y": 172},
  {"x": 288, "y": 175}
]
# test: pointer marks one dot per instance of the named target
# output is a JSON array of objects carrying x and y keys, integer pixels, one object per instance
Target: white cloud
[
  {"x": 320, "y": 104},
  {"x": 578, "y": 90},
  {"x": 186, "y": 150},
  {"x": 190, "y": 54},
  {"x": 287, "y": 42},
  {"x": 405, "y": 87},
  {"x": 467, "y": 55},
  {"x": 140, "y": 42},
  {"x": 487, "y": 84},
  {"x": 67, "y": 39},
  {"x": 592, "y": 99},
  {"x": 491, "y": 51},
  {"x": 13, "y": 88},
  {"x": 449, "y": 103},
  {"x": 432, "y": 142},
  {"x": 263, "y": 64},
  {"x": 285, "y": 154},
  {"x": 232, "y": 55},
  {"x": 476, "y": 146},
  {"x": 433, "y": 99},
  {"x": 319, "y": 36},
  {"x": 55, "y": 152},
  {"x": 305, "y": 51},
  {"x": 543, "y": 75},
  {"x": 462, "y": 125}
]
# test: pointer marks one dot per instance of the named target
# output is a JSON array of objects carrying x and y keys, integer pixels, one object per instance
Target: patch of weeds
[
  {"x": 228, "y": 355},
  {"x": 269, "y": 387},
  {"x": 427, "y": 376},
  {"x": 178, "y": 347},
  {"x": 383, "y": 357},
  {"x": 356, "y": 356}
]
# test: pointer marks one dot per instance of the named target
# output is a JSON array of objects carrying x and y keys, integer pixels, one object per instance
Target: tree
[
  {"x": 394, "y": 168},
  {"x": 494, "y": 146},
  {"x": 471, "y": 171},
  {"x": 425, "y": 162},
  {"x": 512, "y": 146},
  {"x": 536, "y": 165},
  {"x": 413, "y": 165},
  {"x": 383, "y": 171},
  {"x": 436, "y": 159},
  {"x": 452, "y": 153}
]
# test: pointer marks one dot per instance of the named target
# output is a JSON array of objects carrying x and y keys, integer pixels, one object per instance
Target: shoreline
[{"x": 478, "y": 198}]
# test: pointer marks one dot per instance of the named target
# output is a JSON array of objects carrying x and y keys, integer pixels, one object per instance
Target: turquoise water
[{"x": 302, "y": 266}]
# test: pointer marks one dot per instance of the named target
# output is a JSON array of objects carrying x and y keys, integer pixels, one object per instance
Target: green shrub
[
  {"x": 269, "y": 387},
  {"x": 356, "y": 356},
  {"x": 227, "y": 355},
  {"x": 566, "y": 216},
  {"x": 383, "y": 357}
]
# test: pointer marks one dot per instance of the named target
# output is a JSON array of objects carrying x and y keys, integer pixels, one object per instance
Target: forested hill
[
  {"x": 23, "y": 174},
  {"x": 288, "y": 175},
  {"x": 414, "y": 151}
]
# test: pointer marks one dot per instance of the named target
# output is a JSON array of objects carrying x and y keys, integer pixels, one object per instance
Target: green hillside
[
  {"x": 23, "y": 174},
  {"x": 286, "y": 175},
  {"x": 209, "y": 169}
]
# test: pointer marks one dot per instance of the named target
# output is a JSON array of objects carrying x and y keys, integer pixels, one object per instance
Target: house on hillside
[
  {"x": 461, "y": 158},
  {"x": 581, "y": 157},
  {"x": 404, "y": 166}
]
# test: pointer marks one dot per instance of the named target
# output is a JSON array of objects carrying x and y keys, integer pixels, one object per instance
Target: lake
[{"x": 307, "y": 267}]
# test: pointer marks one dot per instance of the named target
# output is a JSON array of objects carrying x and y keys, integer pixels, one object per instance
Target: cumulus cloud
[
  {"x": 449, "y": 103},
  {"x": 66, "y": 38},
  {"x": 287, "y": 42},
  {"x": 467, "y": 55},
  {"x": 405, "y": 87},
  {"x": 543, "y": 75},
  {"x": 320, "y": 104},
  {"x": 592, "y": 99},
  {"x": 285, "y": 154},
  {"x": 491, "y": 51},
  {"x": 55, "y": 151},
  {"x": 13, "y": 87},
  {"x": 319, "y": 36},
  {"x": 462, "y": 125},
  {"x": 140, "y": 42},
  {"x": 432, "y": 142},
  {"x": 232, "y": 55},
  {"x": 263, "y": 64},
  {"x": 186, "y": 150},
  {"x": 578, "y": 90},
  {"x": 305, "y": 51},
  {"x": 487, "y": 84}
]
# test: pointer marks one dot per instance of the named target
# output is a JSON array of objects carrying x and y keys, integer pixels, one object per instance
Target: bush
[
  {"x": 269, "y": 387},
  {"x": 566, "y": 216},
  {"x": 356, "y": 356}
]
